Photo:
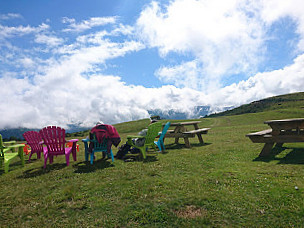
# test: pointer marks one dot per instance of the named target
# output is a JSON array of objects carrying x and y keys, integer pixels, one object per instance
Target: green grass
[{"x": 220, "y": 184}]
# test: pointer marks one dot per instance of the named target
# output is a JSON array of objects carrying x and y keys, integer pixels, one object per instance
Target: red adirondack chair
[
  {"x": 70, "y": 144},
  {"x": 34, "y": 140},
  {"x": 54, "y": 139},
  {"x": 26, "y": 149}
]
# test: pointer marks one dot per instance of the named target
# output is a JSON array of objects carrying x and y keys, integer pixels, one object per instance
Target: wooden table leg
[
  {"x": 266, "y": 149},
  {"x": 177, "y": 130},
  {"x": 187, "y": 142},
  {"x": 200, "y": 138}
]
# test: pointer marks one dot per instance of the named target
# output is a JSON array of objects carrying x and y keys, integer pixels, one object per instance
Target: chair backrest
[
  {"x": 164, "y": 131},
  {"x": 1, "y": 147},
  {"x": 99, "y": 146},
  {"x": 54, "y": 139},
  {"x": 33, "y": 139},
  {"x": 152, "y": 133}
]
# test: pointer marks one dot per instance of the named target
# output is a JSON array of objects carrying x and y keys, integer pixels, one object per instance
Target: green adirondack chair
[
  {"x": 152, "y": 133},
  {"x": 7, "y": 153}
]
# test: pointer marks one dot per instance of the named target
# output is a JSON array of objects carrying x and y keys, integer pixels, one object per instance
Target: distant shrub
[{"x": 155, "y": 117}]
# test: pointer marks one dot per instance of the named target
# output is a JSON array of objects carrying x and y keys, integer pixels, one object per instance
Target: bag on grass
[
  {"x": 122, "y": 151},
  {"x": 134, "y": 151}
]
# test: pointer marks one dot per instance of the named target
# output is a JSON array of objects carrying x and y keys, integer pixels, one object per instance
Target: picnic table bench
[
  {"x": 282, "y": 131},
  {"x": 180, "y": 131}
]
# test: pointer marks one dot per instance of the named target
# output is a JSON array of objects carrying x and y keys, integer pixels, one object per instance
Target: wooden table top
[
  {"x": 285, "y": 121},
  {"x": 185, "y": 123},
  {"x": 286, "y": 124}
]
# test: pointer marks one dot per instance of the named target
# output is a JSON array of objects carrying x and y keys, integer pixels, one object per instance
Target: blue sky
[{"x": 76, "y": 62}]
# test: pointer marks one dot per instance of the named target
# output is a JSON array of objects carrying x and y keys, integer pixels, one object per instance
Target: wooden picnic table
[
  {"x": 281, "y": 131},
  {"x": 180, "y": 131}
]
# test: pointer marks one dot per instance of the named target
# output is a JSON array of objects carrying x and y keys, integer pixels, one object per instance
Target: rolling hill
[{"x": 293, "y": 100}]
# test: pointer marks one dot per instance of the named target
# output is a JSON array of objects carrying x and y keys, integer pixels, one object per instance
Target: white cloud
[
  {"x": 65, "y": 96},
  {"x": 224, "y": 38},
  {"x": 27, "y": 62},
  {"x": 65, "y": 90},
  {"x": 220, "y": 35},
  {"x": 274, "y": 10},
  {"x": 85, "y": 100},
  {"x": 87, "y": 24},
  {"x": 62, "y": 92},
  {"x": 49, "y": 40},
  {"x": 290, "y": 79},
  {"x": 9, "y": 16},
  {"x": 8, "y": 32},
  {"x": 184, "y": 75}
]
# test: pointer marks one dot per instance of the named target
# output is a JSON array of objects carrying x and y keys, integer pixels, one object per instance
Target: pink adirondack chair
[
  {"x": 54, "y": 139},
  {"x": 34, "y": 140}
]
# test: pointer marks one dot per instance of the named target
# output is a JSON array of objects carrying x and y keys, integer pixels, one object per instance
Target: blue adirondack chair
[
  {"x": 98, "y": 147},
  {"x": 160, "y": 143}
]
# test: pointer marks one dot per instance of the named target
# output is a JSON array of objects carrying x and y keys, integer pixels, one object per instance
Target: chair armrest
[
  {"x": 5, "y": 148},
  {"x": 133, "y": 136},
  {"x": 16, "y": 146},
  {"x": 85, "y": 140},
  {"x": 73, "y": 140},
  {"x": 8, "y": 148},
  {"x": 10, "y": 142}
]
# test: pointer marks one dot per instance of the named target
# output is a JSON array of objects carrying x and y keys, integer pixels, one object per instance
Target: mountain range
[
  {"x": 16, "y": 133},
  {"x": 197, "y": 112}
]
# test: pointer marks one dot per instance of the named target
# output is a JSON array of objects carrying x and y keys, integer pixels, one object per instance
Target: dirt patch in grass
[{"x": 190, "y": 211}]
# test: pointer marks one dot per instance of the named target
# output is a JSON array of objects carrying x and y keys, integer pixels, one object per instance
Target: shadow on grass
[
  {"x": 33, "y": 160},
  {"x": 87, "y": 167},
  {"x": 12, "y": 166},
  {"x": 175, "y": 146},
  {"x": 295, "y": 156},
  {"x": 151, "y": 157},
  {"x": 41, "y": 171}
]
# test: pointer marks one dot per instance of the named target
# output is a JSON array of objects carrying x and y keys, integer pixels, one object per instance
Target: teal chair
[
  {"x": 97, "y": 147},
  {"x": 160, "y": 143},
  {"x": 152, "y": 133},
  {"x": 7, "y": 154}
]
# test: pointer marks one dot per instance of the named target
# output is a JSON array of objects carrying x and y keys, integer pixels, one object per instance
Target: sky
[{"x": 68, "y": 62}]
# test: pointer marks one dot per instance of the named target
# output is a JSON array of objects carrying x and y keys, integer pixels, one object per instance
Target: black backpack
[{"x": 122, "y": 151}]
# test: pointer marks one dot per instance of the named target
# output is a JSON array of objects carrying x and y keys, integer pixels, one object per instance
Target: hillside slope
[{"x": 293, "y": 100}]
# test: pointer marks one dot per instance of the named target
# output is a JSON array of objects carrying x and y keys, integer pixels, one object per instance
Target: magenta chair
[
  {"x": 34, "y": 140},
  {"x": 54, "y": 139}
]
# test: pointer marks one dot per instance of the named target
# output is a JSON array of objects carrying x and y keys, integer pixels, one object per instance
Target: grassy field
[{"x": 220, "y": 184}]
